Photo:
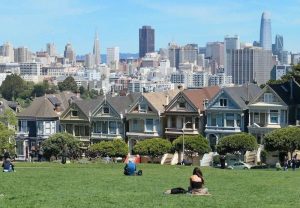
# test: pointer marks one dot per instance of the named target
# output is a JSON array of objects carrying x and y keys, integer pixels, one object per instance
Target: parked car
[{"x": 240, "y": 165}]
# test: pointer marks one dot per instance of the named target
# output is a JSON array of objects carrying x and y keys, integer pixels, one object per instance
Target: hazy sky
[{"x": 33, "y": 23}]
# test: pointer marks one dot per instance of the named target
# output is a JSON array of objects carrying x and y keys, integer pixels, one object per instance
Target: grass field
[{"x": 103, "y": 185}]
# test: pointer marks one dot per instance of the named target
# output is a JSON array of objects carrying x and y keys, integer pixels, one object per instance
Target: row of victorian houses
[{"x": 212, "y": 111}]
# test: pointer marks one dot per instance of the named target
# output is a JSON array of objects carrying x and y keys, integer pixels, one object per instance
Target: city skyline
[{"x": 31, "y": 24}]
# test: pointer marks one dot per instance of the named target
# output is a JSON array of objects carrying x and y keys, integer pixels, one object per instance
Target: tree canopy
[
  {"x": 12, "y": 87},
  {"x": 192, "y": 144},
  {"x": 6, "y": 140},
  {"x": 8, "y": 118},
  {"x": 283, "y": 139},
  {"x": 61, "y": 144},
  {"x": 154, "y": 147},
  {"x": 68, "y": 84},
  {"x": 115, "y": 148},
  {"x": 295, "y": 73},
  {"x": 241, "y": 142}
]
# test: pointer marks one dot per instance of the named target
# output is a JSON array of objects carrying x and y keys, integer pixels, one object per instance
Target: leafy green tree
[
  {"x": 241, "y": 142},
  {"x": 115, "y": 148},
  {"x": 61, "y": 144},
  {"x": 12, "y": 86},
  {"x": 192, "y": 144},
  {"x": 38, "y": 90},
  {"x": 285, "y": 140},
  {"x": 154, "y": 147},
  {"x": 9, "y": 118},
  {"x": 68, "y": 84},
  {"x": 7, "y": 142}
]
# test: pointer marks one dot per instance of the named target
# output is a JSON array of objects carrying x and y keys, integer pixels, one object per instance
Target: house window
[
  {"x": 112, "y": 127},
  {"x": 229, "y": 119},
  {"x": 188, "y": 123},
  {"x": 23, "y": 126},
  {"x": 149, "y": 124},
  {"x": 47, "y": 127},
  {"x": 197, "y": 123},
  {"x": 69, "y": 128},
  {"x": 256, "y": 118},
  {"x": 20, "y": 147},
  {"x": 238, "y": 120},
  {"x": 77, "y": 130},
  {"x": 181, "y": 104},
  {"x": 223, "y": 102},
  {"x": 143, "y": 108},
  {"x": 97, "y": 127},
  {"x": 104, "y": 127},
  {"x": 105, "y": 110},
  {"x": 134, "y": 125},
  {"x": 40, "y": 127},
  {"x": 74, "y": 113},
  {"x": 120, "y": 127},
  {"x": 274, "y": 116},
  {"x": 87, "y": 131},
  {"x": 213, "y": 119},
  {"x": 173, "y": 122},
  {"x": 268, "y": 98}
]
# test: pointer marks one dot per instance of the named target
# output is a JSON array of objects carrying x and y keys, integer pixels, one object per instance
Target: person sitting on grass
[
  {"x": 130, "y": 169},
  {"x": 8, "y": 166},
  {"x": 197, "y": 183}
]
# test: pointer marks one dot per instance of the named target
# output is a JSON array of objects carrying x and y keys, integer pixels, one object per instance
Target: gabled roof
[
  {"x": 289, "y": 91},
  {"x": 198, "y": 96},
  {"x": 122, "y": 103},
  {"x": 40, "y": 107},
  {"x": 159, "y": 99},
  {"x": 242, "y": 95},
  {"x": 88, "y": 106}
]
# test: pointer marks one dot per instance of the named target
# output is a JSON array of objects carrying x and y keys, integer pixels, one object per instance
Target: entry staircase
[
  {"x": 207, "y": 159},
  {"x": 169, "y": 159}
]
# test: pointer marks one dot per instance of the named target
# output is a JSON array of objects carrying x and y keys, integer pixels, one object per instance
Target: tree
[
  {"x": 192, "y": 144},
  {"x": 115, "y": 148},
  {"x": 154, "y": 147},
  {"x": 234, "y": 143},
  {"x": 283, "y": 139},
  {"x": 12, "y": 86},
  {"x": 68, "y": 84},
  {"x": 7, "y": 142},
  {"x": 61, "y": 144},
  {"x": 8, "y": 118}
]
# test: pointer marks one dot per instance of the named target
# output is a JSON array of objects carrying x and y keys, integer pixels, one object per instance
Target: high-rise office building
[
  {"x": 69, "y": 53},
  {"x": 146, "y": 40},
  {"x": 89, "y": 60},
  {"x": 248, "y": 65},
  {"x": 113, "y": 57},
  {"x": 188, "y": 53},
  {"x": 215, "y": 53},
  {"x": 278, "y": 43},
  {"x": 265, "y": 31},
  {"x": 96, "y": 50},
  {"x": 173, "y": 54},
  {"x": 230, "y": 43},
  {"x": 51, "y": 49},
  {"x": 7, "y": 50},
  {"x": 21, "y": 54}
]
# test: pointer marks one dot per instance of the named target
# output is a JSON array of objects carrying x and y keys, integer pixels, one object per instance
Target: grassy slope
[{"x": 103, "y": 185}]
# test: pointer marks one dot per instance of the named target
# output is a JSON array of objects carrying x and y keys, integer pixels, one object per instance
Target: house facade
[
  {"x": 145, "y": 118},
  {"x": 227, "y": 112},
  {"x": 277, "y": 106},
  {"x": 185, "y": 113}
]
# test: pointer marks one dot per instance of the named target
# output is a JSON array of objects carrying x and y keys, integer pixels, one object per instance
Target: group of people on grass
[{"x": 196, "y": 186}]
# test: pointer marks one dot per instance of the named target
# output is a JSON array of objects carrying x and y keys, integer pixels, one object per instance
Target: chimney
[
  {"x": 167, "y": 99},
  {"x": 180, "y": 87}
]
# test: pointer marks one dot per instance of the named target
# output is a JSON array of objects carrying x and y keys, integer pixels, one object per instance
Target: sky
[{"x": 33, "y": 23}]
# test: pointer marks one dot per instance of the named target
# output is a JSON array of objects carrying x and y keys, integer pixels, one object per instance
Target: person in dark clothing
[
  {"x": 8, "y": 166},
  {"x": 197, "y": 183},
  {"x": 130, "y": 169}
]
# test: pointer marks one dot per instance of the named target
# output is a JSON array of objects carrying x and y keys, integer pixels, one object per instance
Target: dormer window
[
  {"x": 105, "y": 110},
  {"x": 268, "y": 98},
  {"x": 223, "y": 102},
  {"x": 181, "y": 103},
  {"x": 74, "y": 113},
  {"x": 143, "y": 108}
]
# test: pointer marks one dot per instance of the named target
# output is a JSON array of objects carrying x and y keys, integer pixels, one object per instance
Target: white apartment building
[{"x": 113, "y": 57}]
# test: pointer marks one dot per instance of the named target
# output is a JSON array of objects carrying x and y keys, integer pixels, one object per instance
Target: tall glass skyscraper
[
  {"x": 147, "y": 40},
  {"x": 265, "y": 31}
]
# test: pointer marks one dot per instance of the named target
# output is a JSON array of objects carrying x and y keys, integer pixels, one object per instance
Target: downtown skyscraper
[
  {"x": 265, "y": 31},
  {"x": 96, "y": 50},
  {"x": 146, "y": 40}
]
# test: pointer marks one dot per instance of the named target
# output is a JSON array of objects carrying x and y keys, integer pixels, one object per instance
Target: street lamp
[{"x": 183, "y": 138}]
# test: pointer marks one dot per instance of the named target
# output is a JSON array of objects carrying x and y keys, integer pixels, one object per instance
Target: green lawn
[{"x": 103, "y": 185}]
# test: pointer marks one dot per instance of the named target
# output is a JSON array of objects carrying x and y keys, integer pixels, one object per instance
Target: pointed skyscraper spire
[{"x": 96, "y": 50}]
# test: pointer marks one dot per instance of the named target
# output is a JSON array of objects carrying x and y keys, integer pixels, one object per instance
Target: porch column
[
  {"x": 117, "y": 128},
  {"x": 154, "y": 125},
  {"x": 193, "y": 122},
  {"x": 234, "y": 121},
  {"x": 73, "y": 127}
]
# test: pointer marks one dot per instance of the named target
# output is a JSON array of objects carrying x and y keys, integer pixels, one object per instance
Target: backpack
[{"x": 178, "y": 190}]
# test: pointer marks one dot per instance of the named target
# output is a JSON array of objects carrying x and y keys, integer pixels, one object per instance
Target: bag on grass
[{"x": 178, "y": 190}]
